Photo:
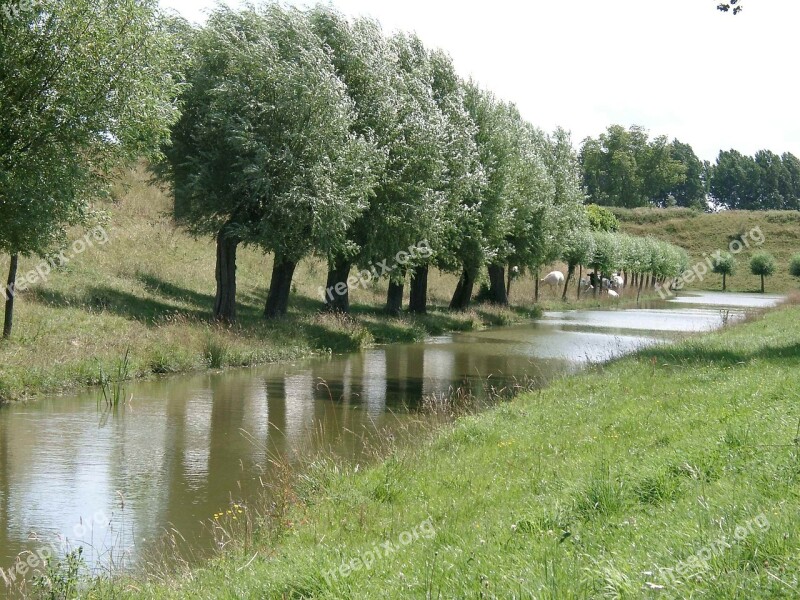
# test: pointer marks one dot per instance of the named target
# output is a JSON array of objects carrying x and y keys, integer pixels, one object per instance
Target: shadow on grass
[
  {"x": 695, "y": 354},
  {"x": 123, "y": 304},
  {"x": 159, "y": 287}
]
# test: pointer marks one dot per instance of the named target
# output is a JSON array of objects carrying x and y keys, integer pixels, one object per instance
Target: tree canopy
[{"x": 86, "y": 87}]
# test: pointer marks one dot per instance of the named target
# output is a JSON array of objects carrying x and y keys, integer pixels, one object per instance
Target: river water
[{"x": 186, "y": 448}]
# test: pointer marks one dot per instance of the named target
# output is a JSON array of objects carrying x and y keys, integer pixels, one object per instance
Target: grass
[
  {"x": 148, "y": 292},
  {"x": 703, "y": 234},
  {"x": 672, "y": 473}
]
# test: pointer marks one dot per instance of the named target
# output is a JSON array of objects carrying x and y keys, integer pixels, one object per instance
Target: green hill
[{"x": 703, "y": 234}]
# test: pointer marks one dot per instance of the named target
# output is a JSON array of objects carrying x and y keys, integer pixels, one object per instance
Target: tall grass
[{"x": 112, "y": 387}]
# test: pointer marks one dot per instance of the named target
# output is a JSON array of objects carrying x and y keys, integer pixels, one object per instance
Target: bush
[
  {"x": 794, "y": 266},
  {"x": 762, "y": 264},
  {"x": 601, "y": 219}
]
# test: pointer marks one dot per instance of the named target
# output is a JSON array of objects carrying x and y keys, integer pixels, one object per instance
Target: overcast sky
[{"x": 676, "y": 67}]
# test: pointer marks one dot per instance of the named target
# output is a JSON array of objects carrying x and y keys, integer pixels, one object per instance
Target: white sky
[{"x": 677, "y": 67}]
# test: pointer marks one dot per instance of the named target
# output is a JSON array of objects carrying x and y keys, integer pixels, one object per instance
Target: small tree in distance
[
  {"x": 726, "y": 266},
  {"x": 762, "y": 264},
  {"x": 794, "y": 266}
]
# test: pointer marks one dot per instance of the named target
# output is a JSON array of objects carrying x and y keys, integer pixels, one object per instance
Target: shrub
[
  {"x": 794, "y": 266},
  {"x": 601, "y": 218}
]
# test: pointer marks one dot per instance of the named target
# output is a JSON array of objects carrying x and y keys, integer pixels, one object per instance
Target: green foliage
[
  {"x": 606, "y": 252},
  {"x": 625, "y": 168},
  {"x": 762, "y": 263},
  {"x": 87, "y": 86},
  {"x": 61, "y": 580},
  {"x": 794, "y": 266},
  {"x": 726, "y": 265},
  {"x": 264, "y": 144},
  {"x": 578, "y": 248},
  {"x": 601, "y": 218},
  {"x": 765, "y": 181}
]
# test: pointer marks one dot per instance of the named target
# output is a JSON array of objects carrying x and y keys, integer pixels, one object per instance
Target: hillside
[
  {"x": 703, "y": 234},
  {"x": 146, "y": 290}
]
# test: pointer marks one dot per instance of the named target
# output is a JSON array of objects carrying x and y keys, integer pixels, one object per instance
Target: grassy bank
[
  {"x": 702, "y": 233},
  {"x": 148, "y": 292},
  {"x": 674, "y": 473}
]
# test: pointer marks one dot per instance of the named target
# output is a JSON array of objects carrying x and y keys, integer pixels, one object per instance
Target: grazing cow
[
  {"x": 612, "y": 294},
  {"x": 617, "y": 281},
  {"x": 606, "y": 284},
  {"x": 553, "y": 279},
  {"x": 586, "y": 285}
]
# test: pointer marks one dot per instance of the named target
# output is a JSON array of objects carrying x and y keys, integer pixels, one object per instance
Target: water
[{"x": 186, "y": 448}]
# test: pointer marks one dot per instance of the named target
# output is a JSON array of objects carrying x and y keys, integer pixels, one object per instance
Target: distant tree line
[{"x": 625, "y": 167}]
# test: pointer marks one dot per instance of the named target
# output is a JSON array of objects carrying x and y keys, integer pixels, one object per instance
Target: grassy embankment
[
  {"x": 150, "y": 288},
  {"x": 702, "y": 233},
  {"x": 673, "y": 473}
]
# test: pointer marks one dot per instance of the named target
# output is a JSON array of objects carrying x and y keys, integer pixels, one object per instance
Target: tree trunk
[
  {"x": 225, "y": 301},
  {"x": 10, "y": 293},
  {"x": 418, "y": 303},
  {"x": 497, "y": 285},
  {"x": 279, "y": 288},
  {"x": 570, "y": 271},
  {"x": 536, "y": 286},
  {"x": 394, "y": 298},
  {"x": 762, "y": 284},
  {"x": 508, "y": 285},
  {"x": 337, "y": 290},
  {"x": 463, "y": 293}
]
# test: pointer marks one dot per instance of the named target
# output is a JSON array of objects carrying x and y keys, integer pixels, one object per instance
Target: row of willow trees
[
  {"x": 643, "y": 262},
  {"x": 300, "y": 133},
  {"x": 305, "y": 134}
]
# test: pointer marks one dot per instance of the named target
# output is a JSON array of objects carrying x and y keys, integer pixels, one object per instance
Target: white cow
[
  {"x": 617, "y": 281},
  {"x": 586, "y": 284},
  {"x": 553, "y": 279},
  {"x": 612, "y": 294}
]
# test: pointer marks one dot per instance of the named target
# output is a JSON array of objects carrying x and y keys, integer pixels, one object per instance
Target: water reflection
[{"x": 184, "y": 448}]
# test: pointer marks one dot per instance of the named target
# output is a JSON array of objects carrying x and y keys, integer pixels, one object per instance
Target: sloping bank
[{"x": 673, "y": 473}]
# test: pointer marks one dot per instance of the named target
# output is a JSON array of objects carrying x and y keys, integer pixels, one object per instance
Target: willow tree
[
  {"x": 463, "y": 178},
  {"x": 410, "y": 200},
  {"x": 367, "y": 65},
  {"x": 265, "y": 154},
  {"x": 86, "y": 88},
  {"x": 487, "y": 217},
  {"x": 567, "y": 213},
  {"x": 578, "y": 249}
]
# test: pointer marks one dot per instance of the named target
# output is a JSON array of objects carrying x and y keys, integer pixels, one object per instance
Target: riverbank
[
  {"x": 144, "y": 290},
  {"x": 671, "y": 473}
]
